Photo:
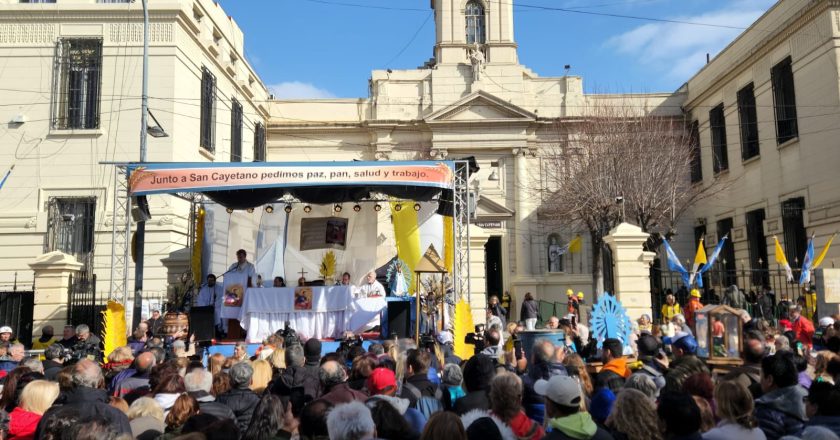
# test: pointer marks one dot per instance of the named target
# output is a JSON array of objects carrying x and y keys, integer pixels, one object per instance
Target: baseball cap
[
  {"x": 826, "y": 321},
  {"x": 670, "y": 340},
  {"x": 683, "y": 341},
  {"x": 445, "y": 337},
  {"x": 381, "y": 380},
  {"x": 6, "y": 329},
  {"x": 562, "y": 390}
]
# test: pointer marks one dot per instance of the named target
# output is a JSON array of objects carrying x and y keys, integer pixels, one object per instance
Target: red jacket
[
  {"x": 525, "y": 428},
  {"x": 804, "y": 330},
  {"x": 23, "y": 424}
]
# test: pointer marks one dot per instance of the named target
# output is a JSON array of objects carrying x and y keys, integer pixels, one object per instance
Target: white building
[{"x": 70, "y": 94}]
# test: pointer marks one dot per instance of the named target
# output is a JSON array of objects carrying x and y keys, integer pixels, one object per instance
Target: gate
[
  {"x": 81, "y": 302},
  {"x": 16, "y": 309}
]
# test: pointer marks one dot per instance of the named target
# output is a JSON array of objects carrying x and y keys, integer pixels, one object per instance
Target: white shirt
[
  {"x": 247, "y": 269},
  {"x": 372, "y": 289},
  {"x": 207, "y": 295}
]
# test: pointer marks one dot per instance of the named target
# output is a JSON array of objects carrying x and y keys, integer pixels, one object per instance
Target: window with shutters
[
  {"x": 748, "y": 120},
  {"x": 259, "y": 142},
  {"x": 696, "y": 164},
  {"x": 78, "y": 82},
  {"x": 717, "y": 128},
  {"x": 757, "y": 244},
  {"x": 727, "y": 253},
  {"x": 235, "y": 131},
  {"x": 784, "y": 98},
  {"x": 793, "y": 224}
]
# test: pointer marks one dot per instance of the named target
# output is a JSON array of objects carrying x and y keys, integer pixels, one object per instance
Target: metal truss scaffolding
[
  {"x": 120, "y": 235},
  {"x": 461, "y": 223}
]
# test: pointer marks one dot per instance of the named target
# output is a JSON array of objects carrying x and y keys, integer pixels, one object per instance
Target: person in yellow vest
[
  {"x": 808, "y": 302},
  {"x": 47, "y": 338},
  {"x": 693, "y": 305},
  {"x": 670, "y": 308}
]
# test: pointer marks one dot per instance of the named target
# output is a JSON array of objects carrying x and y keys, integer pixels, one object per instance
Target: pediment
[
  {"x": 481, "y": 106},
  {"x": 487, "y": 209}
]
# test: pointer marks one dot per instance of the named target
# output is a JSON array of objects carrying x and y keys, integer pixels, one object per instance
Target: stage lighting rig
[
  {"x": 269, "y": 208},
  {"x": 307, "y": 209},
  {"x": 357, "y": 207},
  {"x": 417, "y": 207},
  {"x": 377, "y": 207},
  {"x": 288, "y": 209},
  {"x": 250, "y": 210},
  {"x": 398, "y": 207},
  {"x": 229, "y": 210},
  {"x": 337, "y": 208}
]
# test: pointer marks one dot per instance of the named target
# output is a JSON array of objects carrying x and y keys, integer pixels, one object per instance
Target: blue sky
[{"x": 322, "y": 49}]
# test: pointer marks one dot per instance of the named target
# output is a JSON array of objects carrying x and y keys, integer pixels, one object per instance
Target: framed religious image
[
  {"x": 234, "y": 295},
  {"x": 303, "y": 298},
  {"x": 336, "y": 231}
]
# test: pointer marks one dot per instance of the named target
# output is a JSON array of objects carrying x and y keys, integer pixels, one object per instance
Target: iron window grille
[
  {"x": 259, "y": 142},
  {"x": 208, "y": 111},
  {"x": 474, "y": 13},
  {"x": 78, "y": 73},
  {"x": 727, "y": 253},
  {"x": 235, "y": 131},
  {"x": 784, "y": 98},
  {"x": 757, "y": 243},
  {"x": 793, "y": 225},
  {"x": 717, "y": 123},
  {"x": 70, "y": 227},
  {"x": 696, "y": 164}
]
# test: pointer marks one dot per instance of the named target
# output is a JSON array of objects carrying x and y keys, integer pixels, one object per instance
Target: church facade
[{"x": 473, "y": 99}]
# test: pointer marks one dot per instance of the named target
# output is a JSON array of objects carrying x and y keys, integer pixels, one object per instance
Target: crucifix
[{"x": 302, "y": 273}]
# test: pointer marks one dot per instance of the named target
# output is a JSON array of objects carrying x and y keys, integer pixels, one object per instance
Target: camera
[
  {"x": 290, "y": 336},
  {"x": 476, "y": 338}
]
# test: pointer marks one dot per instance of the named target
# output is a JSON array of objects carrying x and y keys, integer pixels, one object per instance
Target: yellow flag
[
  {"x": 700, "y": 256},
  {"x": 823, "y": 253},
  {"x": 780, "y": 253},
  {"x": 575, "y": 245},
  {"x": 463, "y": 324},
  {"x": 448, "y": 244},
  {"x": 407, "y": 235},
  {"x": 114, "y": 331}
]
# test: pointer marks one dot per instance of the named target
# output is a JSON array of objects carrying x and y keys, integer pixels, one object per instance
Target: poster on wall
[{"x": 323, "y": 233}]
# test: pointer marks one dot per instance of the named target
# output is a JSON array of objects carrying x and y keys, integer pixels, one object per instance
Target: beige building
[
  {"x": 473, "y": 98},
  {"x": 70, "y": 94},
  {"x": 767, "y": 114}
]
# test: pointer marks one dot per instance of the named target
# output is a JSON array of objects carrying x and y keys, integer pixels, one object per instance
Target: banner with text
[{"x": 159, "y": 178}]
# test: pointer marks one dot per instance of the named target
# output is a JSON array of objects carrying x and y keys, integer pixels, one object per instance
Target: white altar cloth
[{"x": 266, "y": 310}]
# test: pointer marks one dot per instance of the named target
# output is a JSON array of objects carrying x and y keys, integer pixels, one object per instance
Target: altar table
[{"x": 334, "y": 310}]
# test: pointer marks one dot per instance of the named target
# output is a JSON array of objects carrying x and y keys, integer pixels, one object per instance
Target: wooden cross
[{"x": 302, "y": 273}]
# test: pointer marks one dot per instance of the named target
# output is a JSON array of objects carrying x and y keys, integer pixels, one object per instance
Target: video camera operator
[
  {"x": 88, "y": 345},
  {"x": 476, "y": 338}
]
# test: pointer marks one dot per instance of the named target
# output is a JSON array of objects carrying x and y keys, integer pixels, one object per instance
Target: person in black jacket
[
  {"x": 240, "y": 399},
  {"x": 417, "y": 383},
  {"x": 298, "y": 373},
  {"x": 497, "y": 310},
  {"x": 198, "y": 384},
  {"x": 530, "y": 312},
  {"x": 478, "y": 372},
  {"x": 823, "y": 406},
  {"x": 88, "y": 398},
  {"x": 53, "y": 362},
  {"x": 780, "y": 411}
]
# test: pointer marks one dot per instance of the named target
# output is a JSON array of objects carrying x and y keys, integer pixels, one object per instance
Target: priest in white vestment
[{"x": 370, "y": 287}]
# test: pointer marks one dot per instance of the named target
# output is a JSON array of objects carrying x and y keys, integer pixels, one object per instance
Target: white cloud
[
  {"x": 679, "y": 50},
  {"x": 298, "y": 90}
]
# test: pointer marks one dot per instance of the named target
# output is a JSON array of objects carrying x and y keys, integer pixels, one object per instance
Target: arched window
[{"x": 475, "y": 22}]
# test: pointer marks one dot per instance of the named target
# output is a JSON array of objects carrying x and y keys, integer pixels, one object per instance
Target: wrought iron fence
[
  {"x": 16, "y": 307},
  {"x": 81, "y": 302},
  {"x": 715, "y": 282}
]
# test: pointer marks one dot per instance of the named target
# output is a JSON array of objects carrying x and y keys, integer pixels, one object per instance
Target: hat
[
  {"x": 683, "y": 341},
  {"x": 601, "y": 405},
  {"x": 312, "y": 350},
  {"x": 647, "y": 345},
  {"x": 445, "y": 337},
  {"x": 580, "y": 295},
  {"x": 6, "y": 329},
  {"x": 695, "y": 293},
  {"x": 381, "y": 380},
  {"x": 826, "y": 321},
  {"x": 562, "y": 390},
  {"x": 570, "y": 292}
]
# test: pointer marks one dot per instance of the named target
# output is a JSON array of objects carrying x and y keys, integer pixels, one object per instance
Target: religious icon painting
[
  {"x": 336, "y": 231},
  {"x": 303, "y": 298},
  {"x": 234, "y": 295}
]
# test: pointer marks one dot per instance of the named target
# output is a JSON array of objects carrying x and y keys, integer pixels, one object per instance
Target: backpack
[{"x": 425, "y": 404}]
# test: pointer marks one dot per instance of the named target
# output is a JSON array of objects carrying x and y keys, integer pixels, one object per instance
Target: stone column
[
  {"x": 524, "y": 281},
  {"x": 631, "y": 268},
  {"x": 52, "y": 282}
]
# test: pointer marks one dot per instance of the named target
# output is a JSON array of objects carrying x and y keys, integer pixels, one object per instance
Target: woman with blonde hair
[
  {"x": 574, "y": 360},
  {"x": 633, "y": 416},
  {"x": 217, "y": 361},
  {"x": 278, "y": 359},
  {"x": 262, "y": 376},
  {"x": 35, "y": 399},
  {"x": 146, "y": 418},
  {"x": 735, "y": 410}
]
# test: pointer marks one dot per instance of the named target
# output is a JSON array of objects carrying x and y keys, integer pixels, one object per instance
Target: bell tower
[{"x": 462, "y": 24}]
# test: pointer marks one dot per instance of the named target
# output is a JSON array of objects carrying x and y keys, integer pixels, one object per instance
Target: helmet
[
  {"x": 580, "y": 295},
  {"x": 695, "y": 293},
  {"x": 570, "y": 292},
  {"x": 6, "y": 329}
]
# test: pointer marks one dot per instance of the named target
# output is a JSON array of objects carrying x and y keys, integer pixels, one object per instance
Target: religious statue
[
  {"x": 477, "y": 61},
  {"x": 555, "y": 251}
]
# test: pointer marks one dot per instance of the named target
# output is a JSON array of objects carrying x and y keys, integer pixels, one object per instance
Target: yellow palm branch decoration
[
  {"x": 327, "y": 269},
  {"x": 114, "y": 328},
  {"x": 195, "y": 261}
]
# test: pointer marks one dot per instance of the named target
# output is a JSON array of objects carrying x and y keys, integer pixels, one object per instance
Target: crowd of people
[{"x": 159, "y": 388}]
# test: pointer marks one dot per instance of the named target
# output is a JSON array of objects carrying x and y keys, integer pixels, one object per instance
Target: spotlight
[
  {"x": 229, "y": 210},
  {"x": 377, "y": 207},
  {"x": 337, "y": 208},
  {"x": 398, "y": 207},
  {"x": 250, "y": 210},
  {"x": 307, "y": 209},
  {"x": 288, "y": 209},
  {"x": 416, "y": 206},
  {"x": 269, "y": 209},
  {"x": 357, "y": 207}
]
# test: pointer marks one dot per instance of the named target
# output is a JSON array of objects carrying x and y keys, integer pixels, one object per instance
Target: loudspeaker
[
  {"x": 202, "y": 324},
  {"x": 140, "y": 209},
  {"x": 399, "y": 319}
]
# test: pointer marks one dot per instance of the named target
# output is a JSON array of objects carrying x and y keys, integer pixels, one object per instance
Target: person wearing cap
[
  {"x": 654, "y": 363},
  {"x": 562, "y": 409},
  {"x": 670, "y": 309},
  {"x": 572, "y": 305},
  {"x": 685, "y": 363},
  {"x": 615, "y": 370},
  {"x": 801, "y": 326},
  {"x": 382, "y": 385},
  {"x": 6, "y": 335},
  {"x": 808, "y": 302},
  {"x": 693, "y": 306},
  {"x": 824, "y": 331},
  {"x": 446, "y": 342},
  {"x": 47, "y": 338}
]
